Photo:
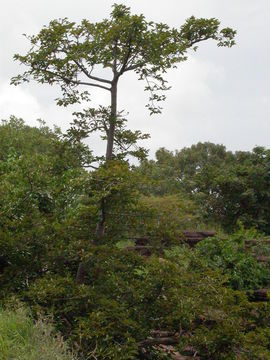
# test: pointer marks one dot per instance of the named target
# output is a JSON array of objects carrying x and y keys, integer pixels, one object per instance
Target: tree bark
[
  {"x": 100, "y": 230},
  {"x": 110, "y": 141},
  {"x": 81, "y": 273}
]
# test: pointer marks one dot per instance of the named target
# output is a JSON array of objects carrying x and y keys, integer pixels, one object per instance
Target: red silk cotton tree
[{"x": 71, "y": 56}]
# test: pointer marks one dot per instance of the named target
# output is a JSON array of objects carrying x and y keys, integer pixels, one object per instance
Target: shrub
[
  {"x": 229, "y": 255},
  {"x": 125, "y": 297},
  {"x": 23, "y": 339}
]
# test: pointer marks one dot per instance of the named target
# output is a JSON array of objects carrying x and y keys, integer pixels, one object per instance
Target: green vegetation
[
  {"x": 69, "y": 55},
  {"x": 102, "y": 253},
  {"x": 22, "y": 339},
  {"x": 227, "y": 187},
  {"x": 50, "y": 205}
]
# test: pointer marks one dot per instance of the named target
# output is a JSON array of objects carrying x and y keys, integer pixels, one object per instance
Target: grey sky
[{"x": 218, "y": 95}]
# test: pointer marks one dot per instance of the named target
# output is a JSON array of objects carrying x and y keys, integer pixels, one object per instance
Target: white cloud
[{"x": 19, "y": 102}]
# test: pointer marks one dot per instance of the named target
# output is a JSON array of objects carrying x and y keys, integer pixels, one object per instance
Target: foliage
[
  {"x": 53, "y": 210},
  {"x": 37, "y": 173},
  {"x": 230, "y": 256},
  {"x": 71, "y": 56},
  {"x": 125, "y": 297},
  {"x": 227, "y": 187},
  {"x": 168, "y": 216},
  {"x": 62, "y": 52},
  {"x": 93, "y": 120},
  {"x": 22, "y": 338}
]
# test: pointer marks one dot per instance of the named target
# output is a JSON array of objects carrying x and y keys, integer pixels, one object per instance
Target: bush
[
  {"x": 229, "y": 255},
  {"x": 125, "y": 297},
  {"x": 22, "y": 339}
]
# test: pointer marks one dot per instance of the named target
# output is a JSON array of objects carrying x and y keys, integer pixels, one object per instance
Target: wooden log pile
[
  {"x": 164, "y": 342},
  {"x": 3, "y": 264},
  {"x": 260, "y": 295},
  {"x": 255, "y": 242},
  {"x": 144, "y": 250},
  {"x": 251, "y": 242},
  {"x": 193, "y": 237},
  {"x": 263, "y": 259}
]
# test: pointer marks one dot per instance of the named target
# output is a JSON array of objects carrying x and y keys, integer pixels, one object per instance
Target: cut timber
[
  {"x": 193, "y": 237},
  {"x": 141, "y": 249},
  {"x": 159, "y": 341},
  {"x": 262, "y": 295},
  {"x": 195, "y": 233},
  {"x": 174, "y": 354},
  {"x": 264, "y": 259},
  {"x": 161, "y": 333},
  {"x": 141, "y": 241},
  {"x": 257, "y": 242}
]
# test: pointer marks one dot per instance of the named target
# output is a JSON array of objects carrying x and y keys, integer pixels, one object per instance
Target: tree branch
[
  {"x": 123, "y": 68},
  {"x": 84, "y": 70},
  {"x": 90, "y": 166},
  {"x": 76, "y": 82}
]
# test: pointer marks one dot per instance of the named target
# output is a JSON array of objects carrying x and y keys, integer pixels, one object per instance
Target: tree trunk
[
  {"x": 81, "y": 274},
  {"x": 113, "y": 118},
  {"x": 100, "y": 230}
]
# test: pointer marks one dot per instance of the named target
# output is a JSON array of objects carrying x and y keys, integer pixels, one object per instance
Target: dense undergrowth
[
  {"x": 50, "y": 206},
  {"x": 23, "y": 339}
]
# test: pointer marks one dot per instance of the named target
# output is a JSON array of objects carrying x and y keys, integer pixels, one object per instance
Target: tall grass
[{"x": 23, "y": 339}]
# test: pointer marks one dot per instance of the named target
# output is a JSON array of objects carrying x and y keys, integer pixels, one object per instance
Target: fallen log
[
  {"x": 194, "y": 233},
  {"x": 162, "y": 334},
  {"x": 251, "y": 242},
  {"x": 264, "y": 259},
  {"x": 158, "y": 341},
  {"x": 260, "y": 295},
  {"x": 144, "y": 250}
]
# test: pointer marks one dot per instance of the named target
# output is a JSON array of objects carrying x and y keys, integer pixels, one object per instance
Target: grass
[{"x": 23, "y": 339}]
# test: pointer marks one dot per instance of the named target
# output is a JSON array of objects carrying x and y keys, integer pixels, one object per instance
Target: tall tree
[{"x": 72, "y": 57}]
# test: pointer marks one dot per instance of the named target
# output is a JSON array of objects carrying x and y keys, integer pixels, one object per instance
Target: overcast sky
[{"x": 218, "y": 95}]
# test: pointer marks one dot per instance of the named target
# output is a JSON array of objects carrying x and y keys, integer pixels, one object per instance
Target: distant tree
[
  {"x": 71, "y": 56},
  {"x": 226, "y": 186},
  {"x": 238, "y": 190}
]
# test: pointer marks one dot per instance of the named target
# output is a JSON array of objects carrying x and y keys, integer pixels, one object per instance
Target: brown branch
[
  {"x": 123, "y": 68},
  {"x": 84, "y": 70},
  {"x": 75, "y": 82},
  {"x": 90, "y": 166},
  {"x": 134, "y": 67}
]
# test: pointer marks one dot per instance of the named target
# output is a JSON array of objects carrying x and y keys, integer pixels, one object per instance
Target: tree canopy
[{"x": 72, "y": 56}]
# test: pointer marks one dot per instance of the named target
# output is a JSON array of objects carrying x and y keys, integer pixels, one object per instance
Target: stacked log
[
  {"x": 263, "y": 259},
  {"x": 193, "y": 237},
  {"x": 3, "y": 264},
  {"x": 164, "y": 342},
  {"x": 255, "y": 242},
  {"x": 144, "y": 250},
  {"x": 261, "y": 295},
  {"x": 251, "y": 242}
]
